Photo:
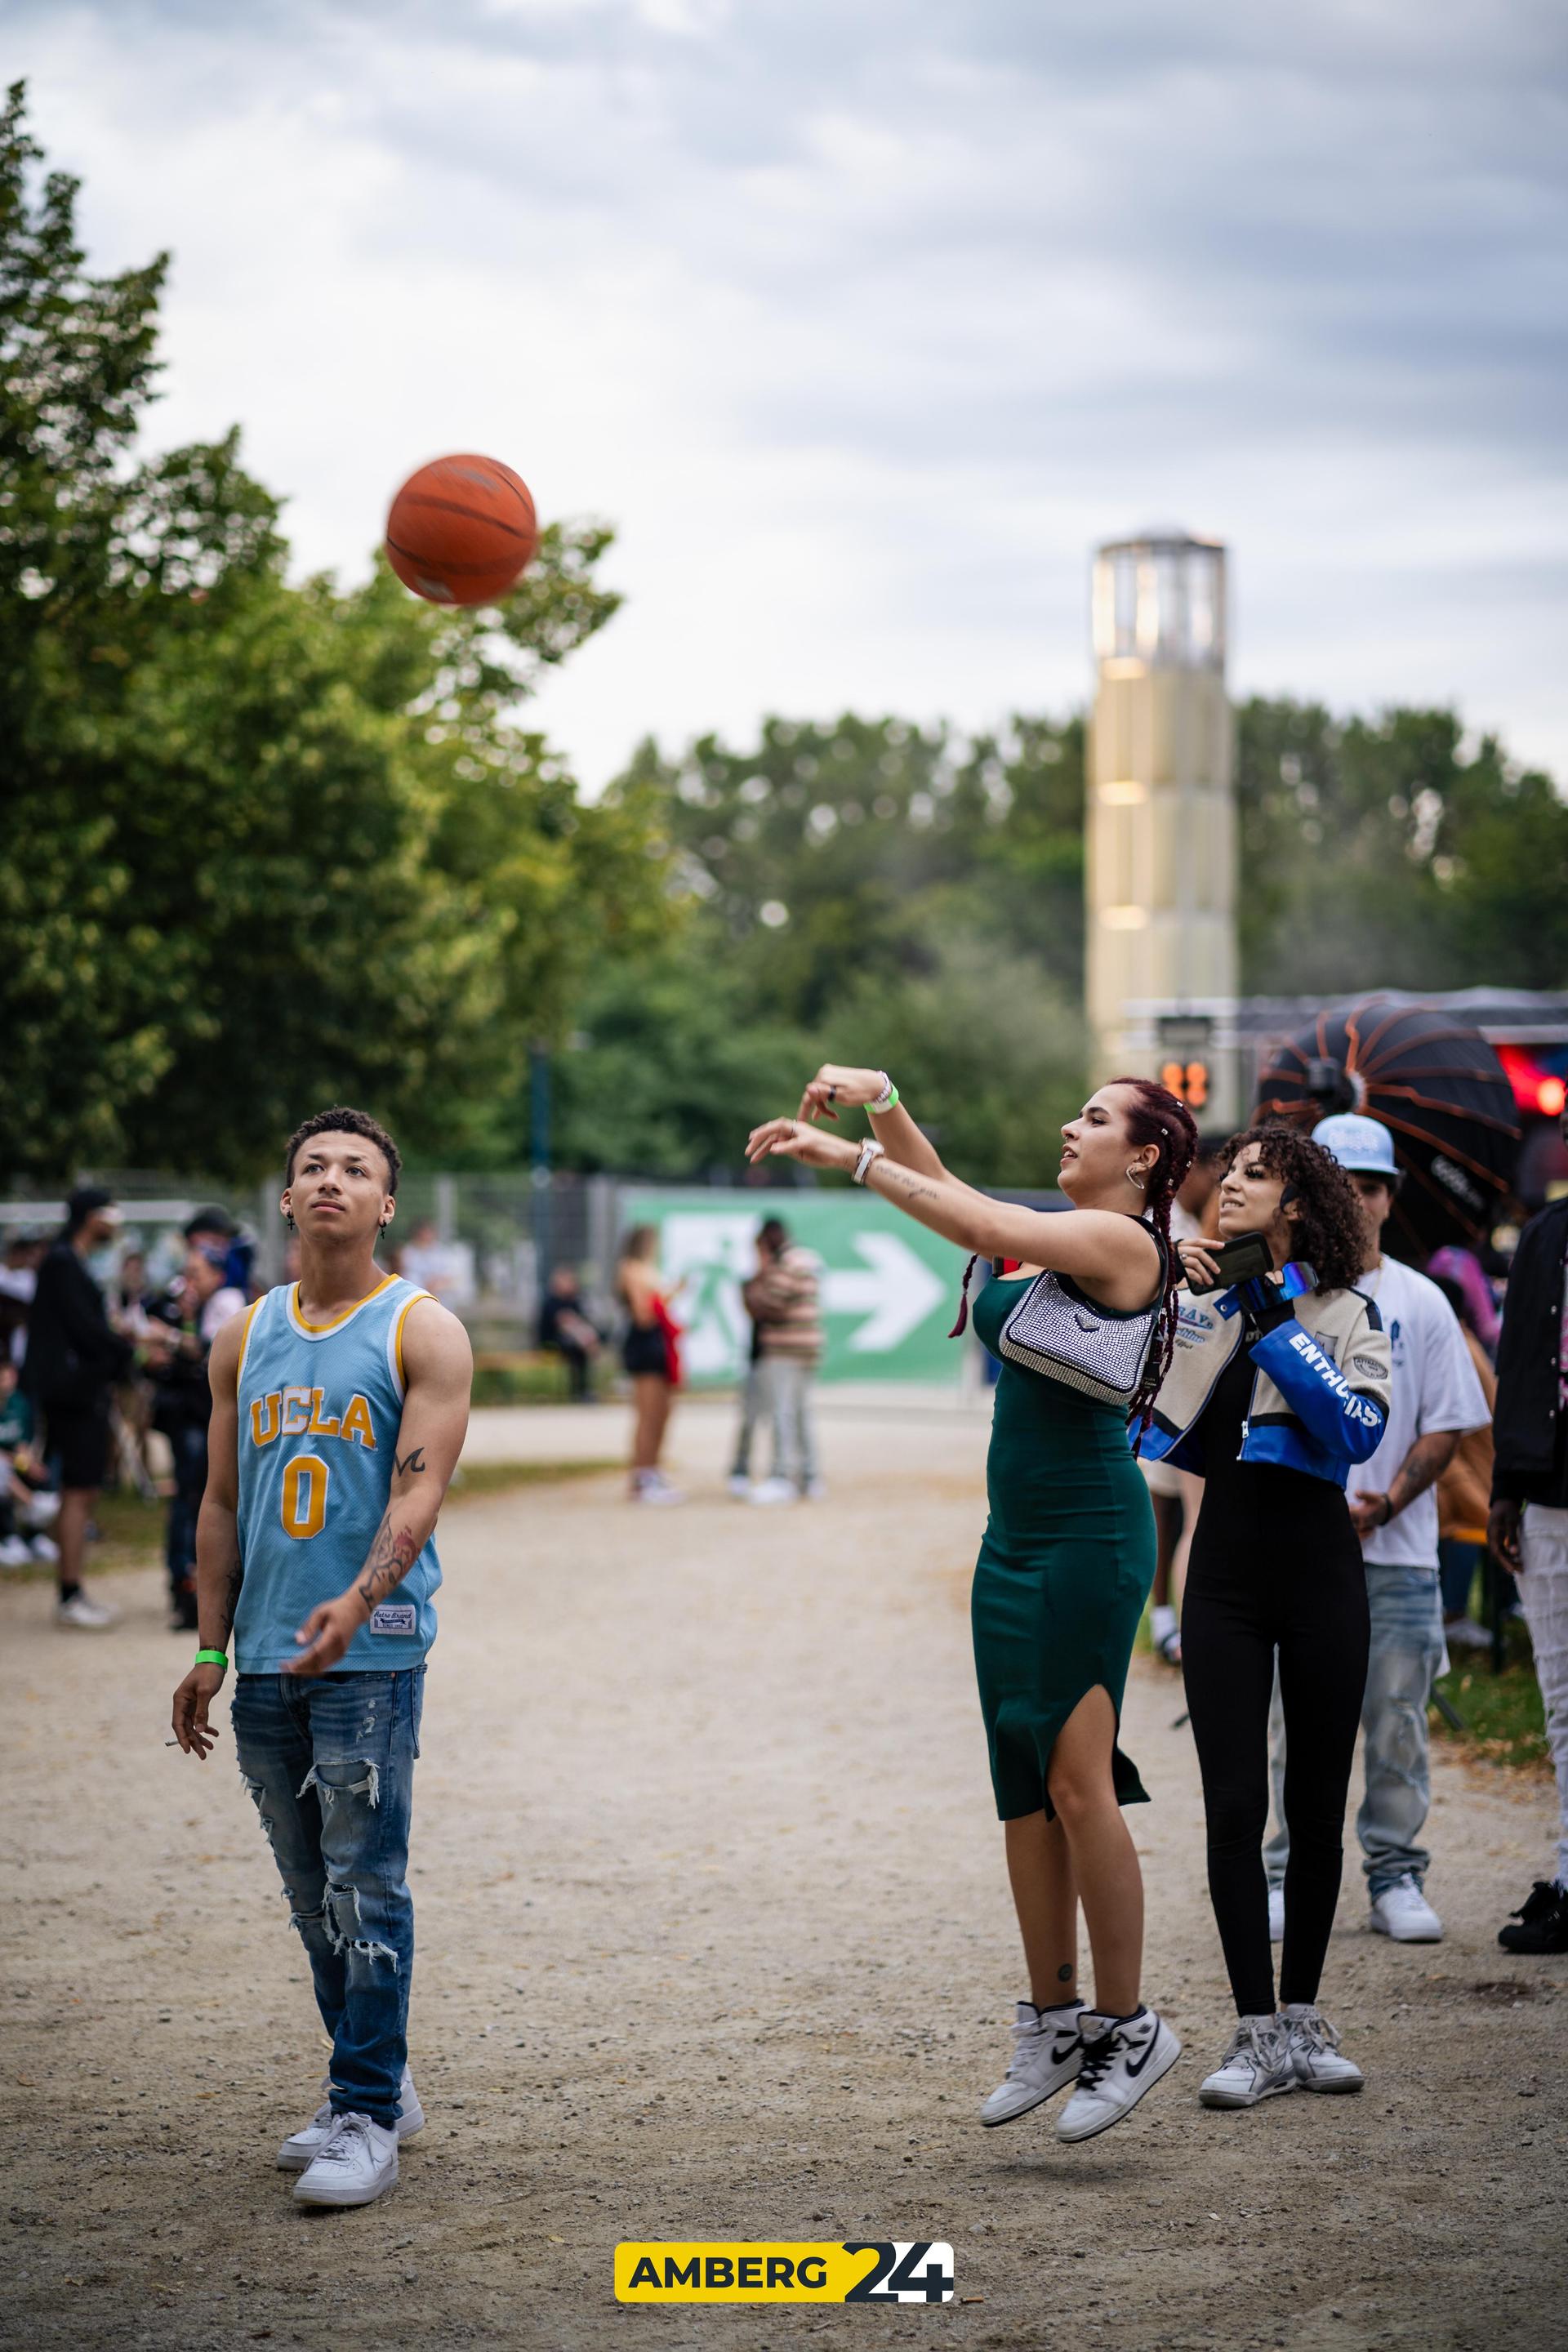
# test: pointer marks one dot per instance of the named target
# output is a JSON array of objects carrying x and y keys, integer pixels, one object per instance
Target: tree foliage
[{"x": 270, "y": 844}]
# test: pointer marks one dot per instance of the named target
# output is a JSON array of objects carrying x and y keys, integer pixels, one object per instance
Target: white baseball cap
[{"x": 1363, "y": 1146}]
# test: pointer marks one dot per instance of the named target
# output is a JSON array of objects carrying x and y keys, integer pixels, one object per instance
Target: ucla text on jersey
[{"x": 320, "y": 1407}]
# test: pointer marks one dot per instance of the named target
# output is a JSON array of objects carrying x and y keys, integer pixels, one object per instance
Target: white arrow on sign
[{"x": 894, "y": 1291}]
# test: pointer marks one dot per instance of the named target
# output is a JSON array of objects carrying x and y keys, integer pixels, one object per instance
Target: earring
[
  {"x": 1134, "y": 1178},
  {"x": 291, "y": 1225}
]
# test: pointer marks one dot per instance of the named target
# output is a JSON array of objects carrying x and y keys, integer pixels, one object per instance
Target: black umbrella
[{"x": 1439, "y": 1089}]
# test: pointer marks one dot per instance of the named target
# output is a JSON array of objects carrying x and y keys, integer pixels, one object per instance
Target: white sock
[{"x": 1162, "y": 1623}]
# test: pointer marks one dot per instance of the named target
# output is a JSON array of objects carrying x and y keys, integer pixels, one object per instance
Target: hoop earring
[{"x": 1134, "y": 1178}]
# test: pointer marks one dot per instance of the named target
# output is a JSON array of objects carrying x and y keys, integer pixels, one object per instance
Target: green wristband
[{"x": 213, "y": 1658}]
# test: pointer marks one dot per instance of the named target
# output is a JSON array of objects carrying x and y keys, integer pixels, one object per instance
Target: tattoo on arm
[
  {"x": 1424, "y": 1463},
  {"x": 392, "y": 1555},
  {"x": 413, "y": 1462},
  {"x": 231, "y": 1598}
]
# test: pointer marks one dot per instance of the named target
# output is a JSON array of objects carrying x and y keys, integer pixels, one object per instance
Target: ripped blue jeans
[{"x": 330, "y": 1766}]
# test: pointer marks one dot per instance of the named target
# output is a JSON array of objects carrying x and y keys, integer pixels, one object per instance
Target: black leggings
[{"x": 1241, "y": 1601}]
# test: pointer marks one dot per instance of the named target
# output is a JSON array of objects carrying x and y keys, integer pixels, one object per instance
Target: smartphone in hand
[{"x": 1238, "y": 1260}]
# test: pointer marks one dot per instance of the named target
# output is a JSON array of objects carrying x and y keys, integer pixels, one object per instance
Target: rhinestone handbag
[{"x": 1056, "y": 1330}]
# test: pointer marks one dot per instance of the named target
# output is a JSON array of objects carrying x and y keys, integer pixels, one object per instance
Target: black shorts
[
  {"x": 77, "y": 1435},
  {"x": 643, "y": 1351}
]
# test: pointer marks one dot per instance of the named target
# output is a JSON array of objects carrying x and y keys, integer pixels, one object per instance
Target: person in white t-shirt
[{"x": 1394, "y": 1507}]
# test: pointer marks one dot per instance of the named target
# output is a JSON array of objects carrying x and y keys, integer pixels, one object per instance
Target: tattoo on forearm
[
  {"x": 392, "y": 1555},
  {"x": 413, "y": 1462},
  {"x": 231, "y": 1600},
  {"x": 1415, "y": 1476}
]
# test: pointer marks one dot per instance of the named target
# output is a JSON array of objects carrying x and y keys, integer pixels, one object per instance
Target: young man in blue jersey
[{"x": 340, "y": 1403}]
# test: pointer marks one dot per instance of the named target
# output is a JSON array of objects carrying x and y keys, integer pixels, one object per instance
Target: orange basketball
[{"x": 461, "y": 531}]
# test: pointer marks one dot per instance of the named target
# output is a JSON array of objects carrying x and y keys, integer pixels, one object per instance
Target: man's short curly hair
[
  {"x": 1331, "y": 1231},
  {"x": 343, "y": 1121}
]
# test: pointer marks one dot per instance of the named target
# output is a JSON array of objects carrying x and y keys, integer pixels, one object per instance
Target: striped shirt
[{"x": 784, "y": 1297}]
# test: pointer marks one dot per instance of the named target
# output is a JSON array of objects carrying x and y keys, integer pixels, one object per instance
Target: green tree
[{"x": 270, "y": 844}]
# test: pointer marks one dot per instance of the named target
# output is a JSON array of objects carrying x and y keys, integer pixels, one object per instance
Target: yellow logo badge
[{"x": 741, "y": 2270}]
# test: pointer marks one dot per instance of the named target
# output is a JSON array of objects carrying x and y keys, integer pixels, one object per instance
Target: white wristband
[{"x": 870, "y": 1149}]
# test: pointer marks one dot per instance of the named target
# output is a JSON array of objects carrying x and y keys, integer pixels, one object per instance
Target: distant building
[{"x": 1160, "y": 834}]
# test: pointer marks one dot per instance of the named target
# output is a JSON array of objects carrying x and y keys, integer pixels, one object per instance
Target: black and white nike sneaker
[
  {"x": 1047, "y": 2049},
  {"x": 1122, "y": 2058},
  {"x": 1542, "y": 1924}
]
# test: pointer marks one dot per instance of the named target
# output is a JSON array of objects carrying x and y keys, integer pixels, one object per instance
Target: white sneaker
[
  {"x": 1315, "y": 2049},
  {"x": 740, "y": 1486},
  {"x": 91, "y": 1616},
  {"x": 1047, "y": 2051},
  {"x": 1257, "y": 2065},
  {"x": 14, "y": 1553},
  {"x": 653, "y": 1486},
  {"x": 1277, "y": 1915},
  {"x": 1122, "y": 2058},
  {"x": 42, "y": 1509},
  {"x": 301, "y": 2147},
  {"x": 1403, "y": 1912},
  {"x": 1463, "y": 1633},
  {"x": 356, "y": 2164},
  {"x": 817, "y": 1490},
  {"x": 775, "y": 1490},
  {"x": 44, "y": 1548}
]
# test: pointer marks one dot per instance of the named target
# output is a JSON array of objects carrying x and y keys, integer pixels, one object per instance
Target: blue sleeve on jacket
[{"x": 1318, "y": 1392}]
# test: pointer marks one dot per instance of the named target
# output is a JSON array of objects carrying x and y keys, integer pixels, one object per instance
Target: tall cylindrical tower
[{"x": 1161, "y": 823}]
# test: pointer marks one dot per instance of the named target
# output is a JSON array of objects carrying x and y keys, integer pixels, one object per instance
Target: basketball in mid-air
[{"x": 461, "y": 531}]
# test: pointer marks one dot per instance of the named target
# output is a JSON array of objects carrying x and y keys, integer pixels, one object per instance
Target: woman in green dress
[{"x": 1084, "y": 1329}]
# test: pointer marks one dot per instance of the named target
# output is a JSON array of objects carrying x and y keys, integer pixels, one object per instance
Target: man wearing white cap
[{"x": 1437, "y": 1398}]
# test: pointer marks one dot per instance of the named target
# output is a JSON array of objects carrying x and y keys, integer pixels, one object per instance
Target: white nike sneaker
[
  {"x": 1122, "y": 2058},
  {"x": 1315, "y": 2049},
  {"x": 91, "y": 1616},
  {"x": 1403, "y": 1912},
  {"x": 775, "y": 1490},
  {"x": 1047, "y": 2051},
  {"x": 356, "y": 2164},
  {"x": 299, "y": 2150},
  {"x": 1277, "y": 1915},
  {"x": 1257, "y": 2065}
]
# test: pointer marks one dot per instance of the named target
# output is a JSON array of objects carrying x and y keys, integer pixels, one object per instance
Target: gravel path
[{"x": 714, "y": 1941}]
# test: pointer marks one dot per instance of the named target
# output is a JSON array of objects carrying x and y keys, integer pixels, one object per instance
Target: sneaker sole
[
  {"x": 1157, "y": 2071},
  {"x": 1397, "y": 1936},
  {"x": 1207, "y": 2098},
  {"x": 994, "y": 2122},
  {"x": 1331, "y": 2090},
  {"x": 319, "y": 2196}
]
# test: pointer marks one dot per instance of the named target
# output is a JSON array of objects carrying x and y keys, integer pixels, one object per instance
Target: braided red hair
[{"x": 1157, "y": 1116}]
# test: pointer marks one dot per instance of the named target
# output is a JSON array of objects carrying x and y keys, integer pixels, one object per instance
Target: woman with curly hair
[
  {"x": 1277, "y": 1387},
  {"x": 1084, "y": 1330}
]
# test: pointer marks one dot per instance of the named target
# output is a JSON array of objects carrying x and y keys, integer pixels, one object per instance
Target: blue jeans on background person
[
  {"x": 1458, "y": 1560},
  {"x": 330, "y": 1766},
  {"x": 1406, "y": 1612},
  {"x": 189, "y": 1447}
]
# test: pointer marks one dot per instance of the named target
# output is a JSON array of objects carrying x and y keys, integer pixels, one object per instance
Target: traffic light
[{"x": 1189, "y": 1081}]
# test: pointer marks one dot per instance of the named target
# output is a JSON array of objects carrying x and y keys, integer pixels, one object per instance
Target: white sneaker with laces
[
  {"x": 1403, "y": 1912},
  {"x": 1277, "y": 1915},
  {"x": 301, "y": 2147},
  {"x": 1122, "y": 2058},
  {"x": 356, "y": 2164},
  {"x": 91, "y": 1616},
  {"x": 1257, "y": 2065},
  {"x": 1047, "y": 2051},
  {"x": 775, "y": 1490},
  {"x": 1315, "y": 2049}
]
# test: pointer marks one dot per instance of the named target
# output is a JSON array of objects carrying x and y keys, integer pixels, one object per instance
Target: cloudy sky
[{"x": 864, "y": 319}]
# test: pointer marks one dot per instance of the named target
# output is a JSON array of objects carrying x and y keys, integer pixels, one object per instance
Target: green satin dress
[{"x": 1065, "y": 1567}]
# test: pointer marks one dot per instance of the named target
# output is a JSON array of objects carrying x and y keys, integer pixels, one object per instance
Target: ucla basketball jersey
[{"x": 320, "y": 1406}]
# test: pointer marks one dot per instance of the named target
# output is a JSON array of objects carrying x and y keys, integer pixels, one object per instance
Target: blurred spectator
[
  {"x": 27, "y": 1501},
  {"x": 215, "y": 1228},
  {"x": 74, "y": 1359},
  {"x": 19, "y": 1266},
  {"x": 565, "y": 1326},
  {"x": 1480, "y": 1314},
  {"x": 1529, "y": 1524},
  {"x": 1464, "y": 1490},
  {"x": 782, "y": 1299},
  {"x": 446, "y": 1269},
  {"x": 185, "y": 1323},
  {"x": 751, "y": 1394}
]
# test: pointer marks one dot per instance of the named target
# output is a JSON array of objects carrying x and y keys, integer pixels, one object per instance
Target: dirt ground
[{"x": 714, "y": 1943}]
